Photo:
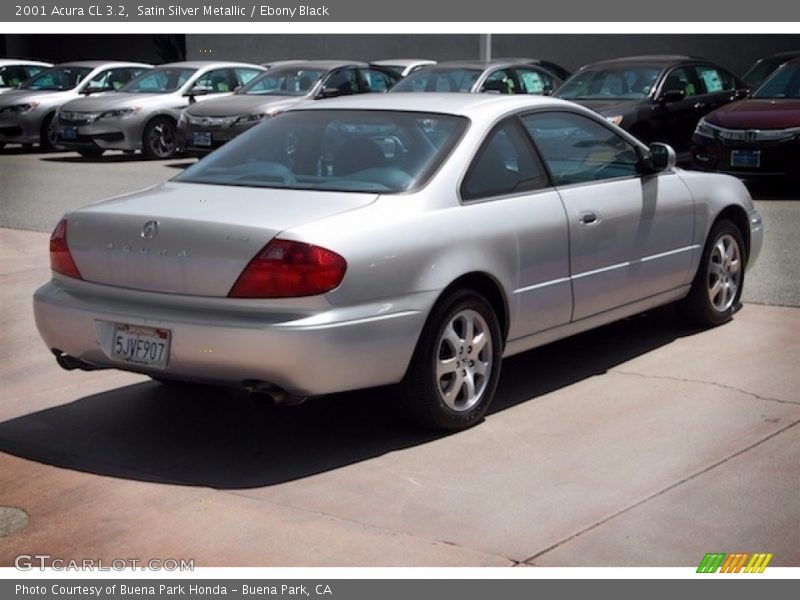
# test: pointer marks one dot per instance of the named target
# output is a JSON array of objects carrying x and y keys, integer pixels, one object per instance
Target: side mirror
[
  {"x": 329, "y": 92},
  {"x": 196, "y": 91},
  {"x": 672, "y": 96},
  {"x": 658, "y": 157}
]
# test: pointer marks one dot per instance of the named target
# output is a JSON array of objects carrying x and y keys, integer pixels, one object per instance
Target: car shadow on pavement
[
  {"x": 105, "y": 158},
  {"x": 212, "y": 437}
]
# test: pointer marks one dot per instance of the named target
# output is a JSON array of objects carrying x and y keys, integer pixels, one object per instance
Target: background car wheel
[
  {"x": 717, "y": 286},
  {"x": 48, "y": 136},
  {"x": 160, "y": 138},
  {"x": 91, "y": 152},
  {"x": 455, "y": 369}
]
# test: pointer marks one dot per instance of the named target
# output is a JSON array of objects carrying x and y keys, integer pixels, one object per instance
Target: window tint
[
  {"x": 505, "y": 164},
  {"x": 335, "y": 150},
  {"x": 534, "y": 81},
  {"x": 159, "y": 81},
  {"x": 245, "y": 76},
  {"x": 612, "y": 83},
  {"x": 681, "y": 79},
  {"x": 346, "y": 81},
  {"x": 13, "y": 75},
  {"x": 579, "y": 149},
  {"x": 501, "y": 82},
  {"x": 714, "y": 80},
  {"x": 284, "y": 82},
  {"x": 377, "y": 81},
  {"x": 218, "y": 81},
  {"x": 112, "y": 79},
  {"x": 438, "y": 79},
  {"x": 57, "y": 78}
]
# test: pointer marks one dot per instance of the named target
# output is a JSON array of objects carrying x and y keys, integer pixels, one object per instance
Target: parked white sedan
[{"x": 411, "y": 239}]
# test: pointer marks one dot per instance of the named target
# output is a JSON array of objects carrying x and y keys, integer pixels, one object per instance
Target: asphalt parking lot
[{"x": 644, "y": 443}]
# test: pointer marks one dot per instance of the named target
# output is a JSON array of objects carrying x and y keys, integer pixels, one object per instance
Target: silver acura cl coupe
[{"x": 410, "y": 239}]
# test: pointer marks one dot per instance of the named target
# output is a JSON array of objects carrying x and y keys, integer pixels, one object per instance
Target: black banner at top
[{"x": 463, "y": 11}]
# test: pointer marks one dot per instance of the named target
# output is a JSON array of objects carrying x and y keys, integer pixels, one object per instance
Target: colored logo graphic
[{"x": 734, "y": 563}]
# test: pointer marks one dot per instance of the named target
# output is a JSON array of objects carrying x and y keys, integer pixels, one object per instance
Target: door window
[
  {"x": 377, "y": 81},
  {"x": 218, "y": 81},
  {"x": 534, "y": 81},
  {"x": 713, "y": 80},
  {"x": 578, "y": 149},
  {"x": 501, "y": 82},
  {"x": 681, "y": 79},
  {"x": 346, "y": 81}
]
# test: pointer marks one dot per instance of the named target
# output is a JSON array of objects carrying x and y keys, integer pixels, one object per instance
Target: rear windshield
[
  {"x": 57, "y": 79},
  {"x": 615, "y": 83},
  {"x": 283, "y": 82},
  {"x": 159, "y": 81},
  {"x": 439, "y": 80},
  {"x": 334, "y": 150},
  {"x": 784, "y": 83}
]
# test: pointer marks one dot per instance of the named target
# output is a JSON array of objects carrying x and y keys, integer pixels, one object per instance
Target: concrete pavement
[{"x": 643, "y": 443}]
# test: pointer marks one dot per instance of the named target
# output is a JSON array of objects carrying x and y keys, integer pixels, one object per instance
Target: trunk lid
[{"x": 203, "y": 237}]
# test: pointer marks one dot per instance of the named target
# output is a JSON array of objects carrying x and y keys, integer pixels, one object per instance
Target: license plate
[
  {"x": 141, "y": 345},
  {"x": 746, "y": 158},
  {"x": 202, "y": 138},
  {"x": 69, "y": 133}
]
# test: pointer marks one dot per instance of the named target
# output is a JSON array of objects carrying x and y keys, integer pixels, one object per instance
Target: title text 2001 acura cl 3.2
[{"x": 393, "y": 239}]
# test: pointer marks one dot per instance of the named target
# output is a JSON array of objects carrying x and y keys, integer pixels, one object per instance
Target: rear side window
[
  {"x": 534, "y": 81},
  {"x": 505, "y": 164},
  {"x": 377, "y": 81},
  {"x": 712, "y": 79},
  {"x": 578, "y": 149}
]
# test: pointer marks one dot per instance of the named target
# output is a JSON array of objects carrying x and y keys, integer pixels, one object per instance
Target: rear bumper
[{"x": 311, "y": 352}]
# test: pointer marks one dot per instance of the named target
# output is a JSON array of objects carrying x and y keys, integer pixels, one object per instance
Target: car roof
[
  {"x": 651, "y": 59},
  {"x": 402, "y": 62},
  {"x": 23, "y": 61},
  {"x": 794, "y": 61},
  {"x": 480, "y": 64},
  {"x": 323, "y": 64},
  {"x": 205, "y": 64},
  {"x": 94, "y": 64},
  {"x": 788, "y": 53},
  {"x": 452, "y": 103}
]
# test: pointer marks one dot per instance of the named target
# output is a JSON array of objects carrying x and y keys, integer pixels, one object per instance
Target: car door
[
  {"x": 675, "y": 116},
  {"x": 630, "y": 235},
  {"x": 507, "y": 190}
]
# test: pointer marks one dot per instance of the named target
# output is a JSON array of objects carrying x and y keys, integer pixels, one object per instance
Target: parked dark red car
[{"x": 756, "y": 137}]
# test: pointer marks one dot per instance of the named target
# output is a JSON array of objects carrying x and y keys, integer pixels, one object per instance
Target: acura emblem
[{"x": 150, "y": 230}]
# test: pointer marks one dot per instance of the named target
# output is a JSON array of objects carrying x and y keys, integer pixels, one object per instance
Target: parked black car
[
  {"x": 656, "y": 98},
  {"x": 766, "y": 66}
]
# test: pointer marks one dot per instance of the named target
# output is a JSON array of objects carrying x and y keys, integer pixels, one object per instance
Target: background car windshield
[
  {"x": 762, "y": 69},
  {"x": 785, "y": 83},
  {"x": 13, "y": 75},
  {"x": 623, "y": 83},
  {"x": 284, "y": 82},
  {"x": 159, "y": 81},
  {"x": 439, "y": 80},
  {"x": 334, "y": 150},
  {"x": 57, "y": 79}
]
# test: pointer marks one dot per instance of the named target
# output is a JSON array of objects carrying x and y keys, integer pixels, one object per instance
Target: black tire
[
  {"x": 48, "y": 136},
  {"x": 422, "y": 390},
  {"x": 717, "y": 267},
  {"x": 160, "y": 139},
  {"x": 2, "y": 145},
  {"x": 91, "y": 152}
]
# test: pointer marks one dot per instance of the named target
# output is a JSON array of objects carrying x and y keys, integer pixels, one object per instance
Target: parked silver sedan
[
  {"x": 143, "y": 115},
  {"x": 412, "y": 239},
  {"x": 27, "y": 112},
  {"x": 204, "y": 127}
]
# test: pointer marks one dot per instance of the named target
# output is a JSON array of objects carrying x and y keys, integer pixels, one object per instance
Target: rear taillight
[
  {"x": 285, "y": 269},
  {"x": 60, "y": 258}
]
